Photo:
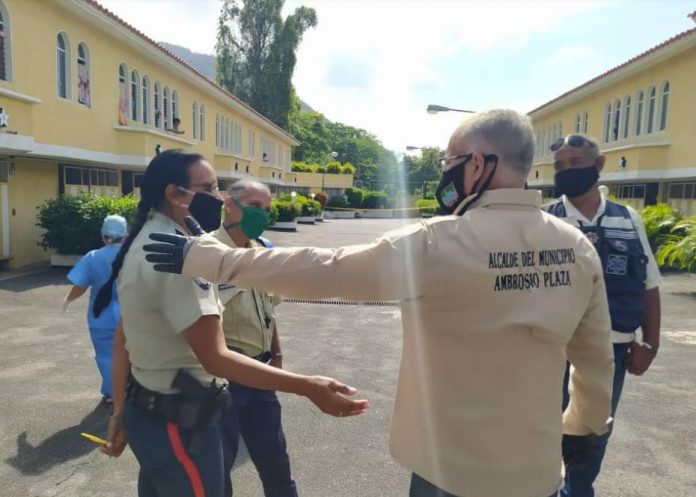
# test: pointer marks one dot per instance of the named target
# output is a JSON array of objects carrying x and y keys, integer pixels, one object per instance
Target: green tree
[
  {"x": 255, "y": 53},
  {"x": 422, "y": 170}
]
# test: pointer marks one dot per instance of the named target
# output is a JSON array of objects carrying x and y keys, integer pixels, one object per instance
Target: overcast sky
[{"x": 377, "y": 64}]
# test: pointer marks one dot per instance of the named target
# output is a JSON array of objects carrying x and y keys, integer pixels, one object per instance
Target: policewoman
[
  {"x": 172, "y": 344},
  {"x": 632, "y": 281},
  {"x": 250, "y": 328}
]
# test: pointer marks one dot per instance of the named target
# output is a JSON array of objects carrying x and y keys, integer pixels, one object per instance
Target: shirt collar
[
  {"x": 572, "y": 211},
  {"x": 222, "y": 235},
  {"x": 167, "y": 221},
  {"x": 507, "y": 196}
]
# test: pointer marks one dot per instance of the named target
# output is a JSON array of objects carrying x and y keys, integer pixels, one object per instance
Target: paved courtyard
[{"x": 49, "y": 394}]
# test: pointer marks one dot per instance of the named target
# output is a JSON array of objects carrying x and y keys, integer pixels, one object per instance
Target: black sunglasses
[{"x": 576, "y": 141}]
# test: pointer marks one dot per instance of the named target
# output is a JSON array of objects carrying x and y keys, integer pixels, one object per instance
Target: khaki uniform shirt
[
  {"x": 493, "y": 303},
  {"x": 156, "y": 308},
  {"x": 248, "y": 319}
]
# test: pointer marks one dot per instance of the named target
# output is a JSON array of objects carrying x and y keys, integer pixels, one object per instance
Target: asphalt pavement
[{"x": 49, "y": 393}]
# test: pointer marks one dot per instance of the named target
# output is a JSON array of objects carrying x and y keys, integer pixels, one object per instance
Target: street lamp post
[
  {"x": 323, "y": 176},
  {"x": 434, "y": 109}
]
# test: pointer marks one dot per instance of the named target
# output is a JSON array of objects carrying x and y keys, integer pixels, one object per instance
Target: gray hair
[
  {"x": 505, "y": 133},
  {"x": 240, "y": 188}
]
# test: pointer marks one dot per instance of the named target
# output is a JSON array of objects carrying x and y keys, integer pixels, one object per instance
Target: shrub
[
  {"x": 355, "y": 197},
  {"x": 322, "y": 199},
  {"x": 300, "y": 167},
  {"x": 679, "y": 247},
  {"x": 338, "y": 201},
  {"x": 428, "y": 206},
  {"x": 348, "y": 168},
  {"x": 659, "y": 221},
  {"x": 308, "y": 207},
  {"x": 333, "y": 167},
  {"x": 72, "y": 224},
  {"x": 287, "y": 210},
  {"x": 376, "y": 200},
  {"x": 273, "y": 215}
]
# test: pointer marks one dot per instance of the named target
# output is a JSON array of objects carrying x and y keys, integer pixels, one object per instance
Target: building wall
[
  {"x": 315, "y": 180},
  {"x": 31, "y": 182},
  {"x": 45, "y": 130},
  {"x": 654, "y": 160},
  {"x": 57, "y": 121}
]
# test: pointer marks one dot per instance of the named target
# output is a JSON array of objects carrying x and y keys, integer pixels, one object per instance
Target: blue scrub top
[{"x": 92, "y": 271}]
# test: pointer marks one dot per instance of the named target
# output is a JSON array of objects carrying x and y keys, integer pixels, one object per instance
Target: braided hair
[{"x": 168, "y": 167}]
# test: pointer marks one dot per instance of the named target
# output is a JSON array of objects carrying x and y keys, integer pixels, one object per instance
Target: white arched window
[
  {"x": 84, "y": 90},
  {"x": 123, "y": 95},
  {"x": 607, "y": 123},
  {"x": 166, "y": 110},
  {"x": 230, "y": 135},
  {"x": 217, "y": 130},
  {"x": 201, "y": 127},
  {"x": 616, "y": 121},
  {"x": 135, "y": 95},
  {"x": 584, "y": 122},
  {"x": 577, "y": 122},
  {"x": 146, "y": 100},
  {"x": 664, "y": 104},
  {"x": 639, "y": 112},
  {"x": 627, "y": 116},
  {"x": 63, "y": 66},
  {"x": 175, "y": 105},
  {"x": 158, "y": 105},
  {"x": 652, "y": 102},
  {"x": 195, "y": 120},
  {"x": 5, "y": 45}
]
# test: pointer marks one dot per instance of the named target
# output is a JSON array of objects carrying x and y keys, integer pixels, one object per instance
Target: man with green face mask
[{"x": 250, "y": 328}]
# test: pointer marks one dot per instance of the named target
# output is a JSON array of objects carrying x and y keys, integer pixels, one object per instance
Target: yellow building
[
  {"x": 85, "y": 99},
  {"x": 643, "y": 112}
]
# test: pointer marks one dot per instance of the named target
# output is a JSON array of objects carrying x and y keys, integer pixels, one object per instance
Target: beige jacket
[{"x": 493, "y": 303}]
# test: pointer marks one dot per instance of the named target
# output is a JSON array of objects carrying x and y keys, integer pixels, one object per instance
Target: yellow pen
[{"x": 94, "y": 439}]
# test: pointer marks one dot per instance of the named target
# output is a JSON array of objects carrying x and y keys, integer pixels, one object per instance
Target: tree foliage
[
  {"x": 423, "y": 170},
  {"x": 358, "y": 150},
  {"x": 256, "y": 53}
]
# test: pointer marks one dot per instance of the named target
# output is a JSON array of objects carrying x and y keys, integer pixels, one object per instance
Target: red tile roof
[
  {"x": 650, "y": 51},
  {"x": 166, "y": 52}
]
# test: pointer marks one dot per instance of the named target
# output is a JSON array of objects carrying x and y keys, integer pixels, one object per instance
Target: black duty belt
[{"x": 188, "y": 412}]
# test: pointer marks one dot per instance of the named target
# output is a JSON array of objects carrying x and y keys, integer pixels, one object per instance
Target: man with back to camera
[
  {"x": 494, "y": 298},
  {"x": 632, "y": 280}
]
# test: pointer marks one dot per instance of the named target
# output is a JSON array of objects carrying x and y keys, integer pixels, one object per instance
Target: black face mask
[
  {"x": 450, "y": 192},
  {"x": 575, "y": 182},
  {"x": 206, "y": 210}
]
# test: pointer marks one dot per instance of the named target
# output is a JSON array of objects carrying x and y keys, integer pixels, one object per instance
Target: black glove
[{"x": 168, "y": 255}]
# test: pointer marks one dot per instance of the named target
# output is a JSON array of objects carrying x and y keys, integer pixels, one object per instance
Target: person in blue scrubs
[{"x": 92, "y": 271}]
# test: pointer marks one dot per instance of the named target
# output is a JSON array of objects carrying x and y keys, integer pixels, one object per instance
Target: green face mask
[{"x": 254, "y": 220}]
